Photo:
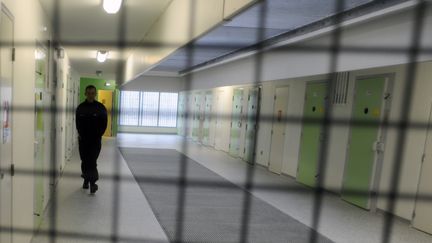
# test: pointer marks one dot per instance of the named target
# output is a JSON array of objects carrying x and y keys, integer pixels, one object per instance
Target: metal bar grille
[{"x": 162, "y": 109}]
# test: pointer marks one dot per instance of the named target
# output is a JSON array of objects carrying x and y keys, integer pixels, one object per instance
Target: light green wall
[{"x": 98, "y": 83}]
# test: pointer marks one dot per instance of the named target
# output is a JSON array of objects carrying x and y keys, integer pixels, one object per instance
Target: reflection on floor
[{"x": 82, "y": 215}]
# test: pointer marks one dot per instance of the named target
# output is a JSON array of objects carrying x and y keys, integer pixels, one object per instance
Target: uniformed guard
[{"x": 91, "y": 123}]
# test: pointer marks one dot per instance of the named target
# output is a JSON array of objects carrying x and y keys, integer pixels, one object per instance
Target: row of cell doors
[
  {"x": 207, "y": 116},
  {"x": 364, "y": 140},
  {"x": 366, "y": 143}
]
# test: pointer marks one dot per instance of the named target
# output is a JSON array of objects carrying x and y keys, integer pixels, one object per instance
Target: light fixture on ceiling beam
[
  {"x": 102, "y": 56},
  {"x": 112, "y": 6}
]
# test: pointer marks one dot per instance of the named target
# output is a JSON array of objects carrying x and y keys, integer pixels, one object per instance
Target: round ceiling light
[
  {"x": 112, "y": 6},
  {"x": 102, "y": 56}
]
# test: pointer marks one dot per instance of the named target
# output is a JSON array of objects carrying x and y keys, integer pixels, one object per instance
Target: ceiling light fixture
[
  {"x": 101, "y": 56},
  {"x": 112, "y": 6}
]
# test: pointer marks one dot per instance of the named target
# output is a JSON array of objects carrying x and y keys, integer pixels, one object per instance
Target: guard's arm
[{"x": 104, "y": 120}]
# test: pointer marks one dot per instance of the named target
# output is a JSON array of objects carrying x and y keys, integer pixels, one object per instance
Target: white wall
[
  {"x": 158, "y": 84},
  {"x": 29, "y": 20},
  {"x": 295, "y": 68},
  {"x": 31, "y": 25}
]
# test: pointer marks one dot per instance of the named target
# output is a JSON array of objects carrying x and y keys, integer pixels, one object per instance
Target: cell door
[
  {"x": 207, "y": 117},
  {"x": 312, "y": 134},
  {"x": 236, "y": 122},
  {"x": 278, "y": 130},
  {"x": 181, "y": 115},
  {"x": 422, "y": 218},
  {"x": 106, "y": 98},
  {"x": 6, "y": 85},
  {"x": 220, "y": 120},
  {"x": 252, "y": 124},
  {"x": 39, "y": 134},
  {"x": 368, "y": 102},
  {"x": 197, "y": 117}
]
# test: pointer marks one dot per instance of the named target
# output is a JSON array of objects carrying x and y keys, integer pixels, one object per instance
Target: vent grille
[{"x": 340, "y": 94}]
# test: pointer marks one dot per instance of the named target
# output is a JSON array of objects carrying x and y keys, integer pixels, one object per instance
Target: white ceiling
[{"x": 85, "y": 27}]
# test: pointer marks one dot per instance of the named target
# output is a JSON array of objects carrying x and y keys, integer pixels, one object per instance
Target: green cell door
[
  {"x": 207, "y": 117},
  {"x": 236, "y": 122},
  {"x": 361, "y": 155},
  {"x": 251, "y": 125},
  {"x": 311, "y": 138},
  {"x": 39, "y": 141},
  {"x": 422, "y": 218},
  {"x": 181, "y": 114},
  {"x": 196, "y": 127}
]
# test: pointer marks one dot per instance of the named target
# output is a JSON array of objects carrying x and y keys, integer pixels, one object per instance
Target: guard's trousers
[{"x": 89, "y": 149}]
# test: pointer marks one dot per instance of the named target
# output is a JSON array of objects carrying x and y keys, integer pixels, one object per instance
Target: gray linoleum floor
[{"x": 91, "y": 217}]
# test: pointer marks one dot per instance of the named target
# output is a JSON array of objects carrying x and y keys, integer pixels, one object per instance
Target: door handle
[
  {"x": 1, "y": 175},
  {"x": 378, "y": 146}
]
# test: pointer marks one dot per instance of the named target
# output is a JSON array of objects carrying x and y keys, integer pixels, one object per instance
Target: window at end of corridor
[{"x": 148, "y": 109}]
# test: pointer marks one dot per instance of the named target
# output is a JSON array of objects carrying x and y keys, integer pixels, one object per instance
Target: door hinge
[
  {"x": 413, "y": 215},
  {"x": 13, "y": 54},
  {"x": 275, "y": 97},
  {"x": 12, "y": 171},
  {"x": 423, "y": 158}
]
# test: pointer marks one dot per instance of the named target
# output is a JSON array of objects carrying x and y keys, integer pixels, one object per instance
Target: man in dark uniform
[{"x": 91, "y": 122}]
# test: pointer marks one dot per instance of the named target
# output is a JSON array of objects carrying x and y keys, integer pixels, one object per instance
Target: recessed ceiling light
[
  {"x": 112, "y": 6},
  {"x": 101, "y": 56}
]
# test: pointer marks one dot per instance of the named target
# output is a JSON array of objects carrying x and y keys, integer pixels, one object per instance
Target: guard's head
[{"x": 90, "y": 93}]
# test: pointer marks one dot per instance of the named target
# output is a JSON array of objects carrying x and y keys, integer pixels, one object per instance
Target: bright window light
[
  {"x": 39, "y": 55},
  {"x": 102, "y": 56},
  {"x": 112, "y": 6},
  {"x": 129, "y": 108}
]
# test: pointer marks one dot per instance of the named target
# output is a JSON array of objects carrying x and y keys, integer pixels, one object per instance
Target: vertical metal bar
[
  {"x": 258, "y": 63},
  {"x": 182, "y": 180},
  {"x": 53, "y": 160},
  {"x": 410, "y": 82},
  {"x": 121, "y": 45},
  {"x": 326, "y": 122}
]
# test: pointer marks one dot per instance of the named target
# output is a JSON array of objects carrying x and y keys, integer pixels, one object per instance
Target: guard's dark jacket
[
  {"x": 91, "y": 119},
  {"x": 91, "y": 123}
]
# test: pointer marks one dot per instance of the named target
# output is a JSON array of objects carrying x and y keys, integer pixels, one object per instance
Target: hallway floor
[{"x": 92, "y": 218}]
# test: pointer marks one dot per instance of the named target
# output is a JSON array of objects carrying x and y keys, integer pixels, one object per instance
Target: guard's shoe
[
  {"x": 85, "y": 185},
  {"x": 93, "y": 188}
]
